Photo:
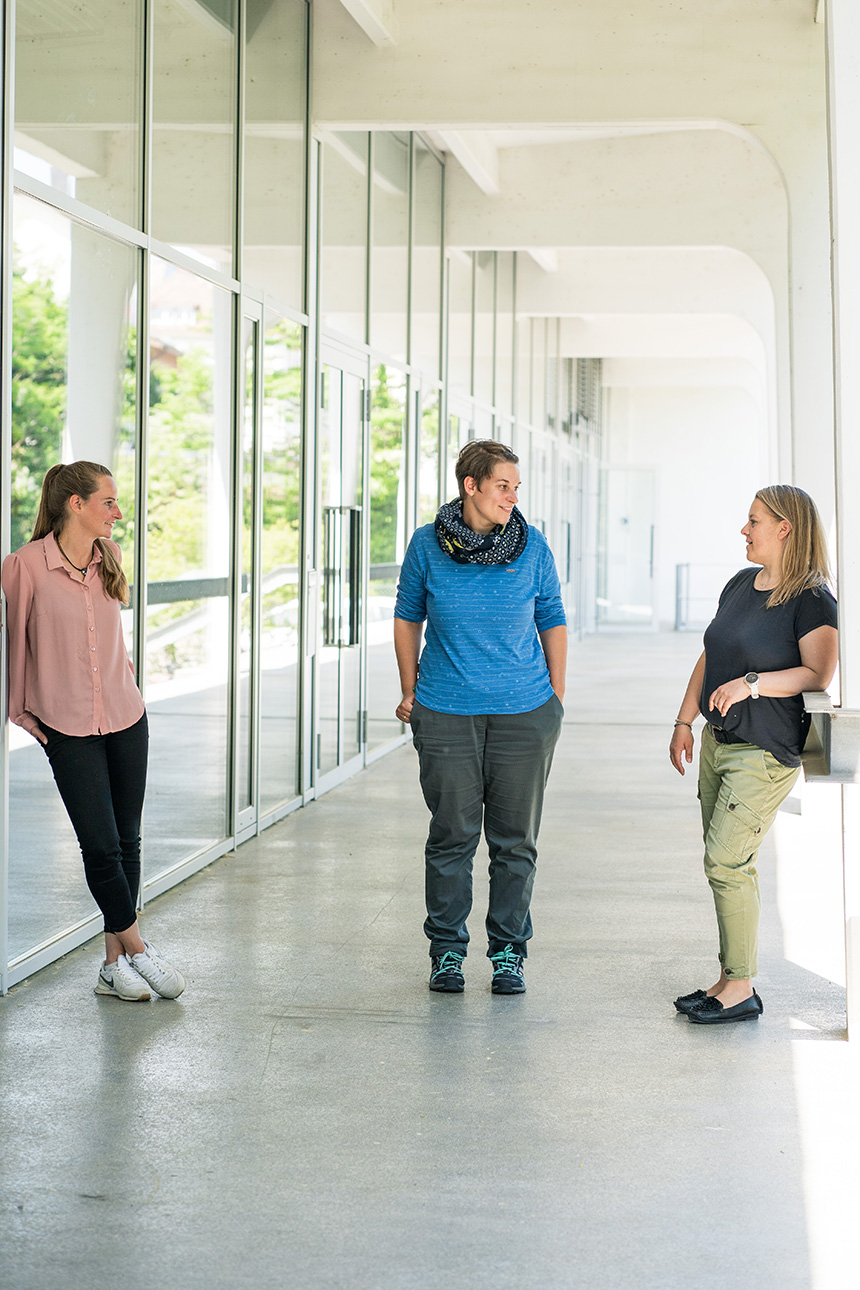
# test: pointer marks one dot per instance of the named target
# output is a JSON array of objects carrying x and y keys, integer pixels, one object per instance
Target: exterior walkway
[{"x": 309, "y": 1116}]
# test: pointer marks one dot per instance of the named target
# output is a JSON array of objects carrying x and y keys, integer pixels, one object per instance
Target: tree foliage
[{"x": 40, "y": 327}]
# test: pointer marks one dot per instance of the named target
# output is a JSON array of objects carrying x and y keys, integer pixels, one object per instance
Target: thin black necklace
[{"x": 81, "y": 571}]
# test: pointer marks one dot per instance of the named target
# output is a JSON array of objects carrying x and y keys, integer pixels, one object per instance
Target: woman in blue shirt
[
  {"x": 484, "y": 703},
  {"x": 773, "y": 636}
]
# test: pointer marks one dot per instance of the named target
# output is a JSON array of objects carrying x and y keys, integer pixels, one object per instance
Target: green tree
[
  {"x": 40, "y": 329},
  {"x": 386, "y": 455}
]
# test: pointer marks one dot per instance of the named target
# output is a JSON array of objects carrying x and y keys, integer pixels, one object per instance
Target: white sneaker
[
  {"x": 157, "y": 972},
  {"x": 121, "y": 980}
]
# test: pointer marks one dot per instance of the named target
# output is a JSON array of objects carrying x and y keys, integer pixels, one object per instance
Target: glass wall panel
[
  {"x": 245, "y": 795},
  {"x": 78, "y": 100},
  {"x": 389, "y": 258},
  {"x": 428, "y": 456},
  {"x": 188, "y": 565},
  {"x": 485, "y": 295},
  {"x": 524, "y": 370},
  {"x": 459, "y": 434},
  {"x": 343, "y": 238},
  {"x": 387, "y": 545},
  {"x": 460, "y": 272},
  {"x": 194, "y": 106},
  {"x": 538, "y": 381},
  {"x": 74, "y": 350},
  {"x": 282, "y": 490},
  {"x": 426, "y": 259},
  {"x": 274, "y": 149},
  {"x": 504, "y": 385}
]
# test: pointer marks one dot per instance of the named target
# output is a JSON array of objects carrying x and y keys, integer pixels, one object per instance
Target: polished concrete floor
[{"x": 309, "y": 1117}]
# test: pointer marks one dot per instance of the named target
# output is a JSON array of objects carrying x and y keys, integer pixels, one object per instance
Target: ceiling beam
[
  {"x": 375, "y": 18},
  {"x": 476, "y": 153},
  {"x": 544, "y": 257}
]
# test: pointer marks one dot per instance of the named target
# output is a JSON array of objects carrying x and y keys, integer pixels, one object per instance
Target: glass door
[
  {"x": 626, "y": 563},
  {"x": 247, "y": 663},
  {"x": 340, "y": 735}
]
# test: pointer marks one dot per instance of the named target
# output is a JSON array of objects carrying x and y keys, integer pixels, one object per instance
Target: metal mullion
[
  {"x": 77, "y": 210},
  {"x": 474, "y": 257},
  {"x": 442, "y": 362},
  {"x": 308, "y": 585},
  {"x": 494, "y": 346},
  {"x": 256, "y": 683},
  {"x": 515, "y": 348},
  {"x": 368, "y": 259},
  {"x": 410, "y": 244},
  {"x": 237, "y": 392},
  {"x": 8, "y": 38},
  {"x": 239, "y": 144}
]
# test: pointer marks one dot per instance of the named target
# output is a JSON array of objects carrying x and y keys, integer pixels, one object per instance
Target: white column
[{"x": 843, "y": 87}]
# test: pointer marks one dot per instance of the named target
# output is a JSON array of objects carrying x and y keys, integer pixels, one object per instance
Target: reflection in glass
[
  {"x": 188, "y": 557},
  {"x": 194, "y": 102},
  {"x": 459, "y": 433},
  {"x": 389, "y": 257},
  {"x": 460, "y": 269},
  {"x": 74, "y": 350},
  {"x": 524, "y": 369},
  {"x": 343, "y": 250},
  {"x": 339, "y": 724},
  {"x": 281, "y": 507},
  {"x": 428, "y": 461},
  {"x": 538, "y": 373},
  {"x": 78, "y": 101},
  {"x": 426, "y": 259},
  {"x": 504, "y": 384},
  {"x": 387, "y": 545},
  {"x": 245, "y": 795},
  {"x": 485, "y": 294},
  {"x": 274, "y": 148}
]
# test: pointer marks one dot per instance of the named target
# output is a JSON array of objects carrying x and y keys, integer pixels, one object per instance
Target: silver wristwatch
[{"x": 751, "y": 679}]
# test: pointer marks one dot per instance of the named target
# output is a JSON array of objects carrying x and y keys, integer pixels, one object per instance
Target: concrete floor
[{"x": 309, "y": 1116}]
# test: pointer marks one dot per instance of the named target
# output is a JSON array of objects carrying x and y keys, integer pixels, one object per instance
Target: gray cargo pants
[{"x": 483, "y": 770}]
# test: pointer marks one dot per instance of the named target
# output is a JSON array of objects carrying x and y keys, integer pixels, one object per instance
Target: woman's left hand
[{"x": 726, "y": 696}]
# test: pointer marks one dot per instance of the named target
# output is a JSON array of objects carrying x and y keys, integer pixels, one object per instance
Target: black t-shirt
[{"x": 746, "y": 636}]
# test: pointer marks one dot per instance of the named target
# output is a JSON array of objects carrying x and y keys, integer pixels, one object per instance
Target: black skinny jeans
[{"x": 102, "y": 780}]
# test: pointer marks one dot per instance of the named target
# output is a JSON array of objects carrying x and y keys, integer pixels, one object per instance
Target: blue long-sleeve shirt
[{"x": 481, "y": 651}]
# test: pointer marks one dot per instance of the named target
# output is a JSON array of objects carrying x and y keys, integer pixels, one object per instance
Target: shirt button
[
  {"x": 93, "y": 648},
  {"x": 95, "y": 669},
  {"x": 92, "y": 629},
  {"x": 98, "y": 691}
]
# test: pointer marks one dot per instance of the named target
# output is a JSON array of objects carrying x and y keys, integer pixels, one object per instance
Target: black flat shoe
[
  {"x": 687, "y": 1001},
  {"x": 712, "y": 1013}
]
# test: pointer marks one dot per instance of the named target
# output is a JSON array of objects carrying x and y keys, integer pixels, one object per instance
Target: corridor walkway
[{"x": 309, "y": 1117}]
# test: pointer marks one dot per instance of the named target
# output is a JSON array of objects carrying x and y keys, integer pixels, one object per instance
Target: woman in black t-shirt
[{"x": 773, "y": 636}]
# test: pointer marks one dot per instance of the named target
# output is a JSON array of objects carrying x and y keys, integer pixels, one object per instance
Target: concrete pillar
[{"x": 843, "y": 86}]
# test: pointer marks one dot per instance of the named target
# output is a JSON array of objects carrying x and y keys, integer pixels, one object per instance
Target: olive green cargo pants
[{"x": 740, "y": 790}]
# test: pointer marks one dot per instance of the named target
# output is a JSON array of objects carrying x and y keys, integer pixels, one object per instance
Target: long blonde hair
[
  {"x": 81, "y": 479},
  {"x": 804, "y": 552}
]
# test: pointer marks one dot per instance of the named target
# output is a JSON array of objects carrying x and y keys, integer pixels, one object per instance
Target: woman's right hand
[
  {"x": 403, "y": 712},
  {"x": 681, "y": 747},
  {"x": 40, "y": 735}
]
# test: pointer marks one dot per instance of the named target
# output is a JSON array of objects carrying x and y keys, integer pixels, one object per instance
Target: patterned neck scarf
[{"x": 505, "y": 544}]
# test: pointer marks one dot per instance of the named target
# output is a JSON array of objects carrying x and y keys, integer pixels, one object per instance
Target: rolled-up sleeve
[
  {"x": 411, "y": 602},
  {"x": 18, "y": 588},
  {"x": 549, "y": 608}
]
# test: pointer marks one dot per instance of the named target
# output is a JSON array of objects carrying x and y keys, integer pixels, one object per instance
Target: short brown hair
[{"x": 478, "y": 461}]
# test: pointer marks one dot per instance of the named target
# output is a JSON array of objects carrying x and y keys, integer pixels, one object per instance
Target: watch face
[{"x": 751, "y": 678}]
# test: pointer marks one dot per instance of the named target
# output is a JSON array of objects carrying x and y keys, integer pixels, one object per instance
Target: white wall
[{"x": 707, "y": 450}]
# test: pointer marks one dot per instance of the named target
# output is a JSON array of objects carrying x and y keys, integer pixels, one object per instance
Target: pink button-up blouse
[{"x": 68, "y": 665}]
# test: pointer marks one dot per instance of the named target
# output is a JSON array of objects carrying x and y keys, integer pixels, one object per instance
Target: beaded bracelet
[{"x": 684, "y": 723}]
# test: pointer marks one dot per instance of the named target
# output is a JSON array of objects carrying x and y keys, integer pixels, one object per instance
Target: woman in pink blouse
[{"x": 71, "y": 685}]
